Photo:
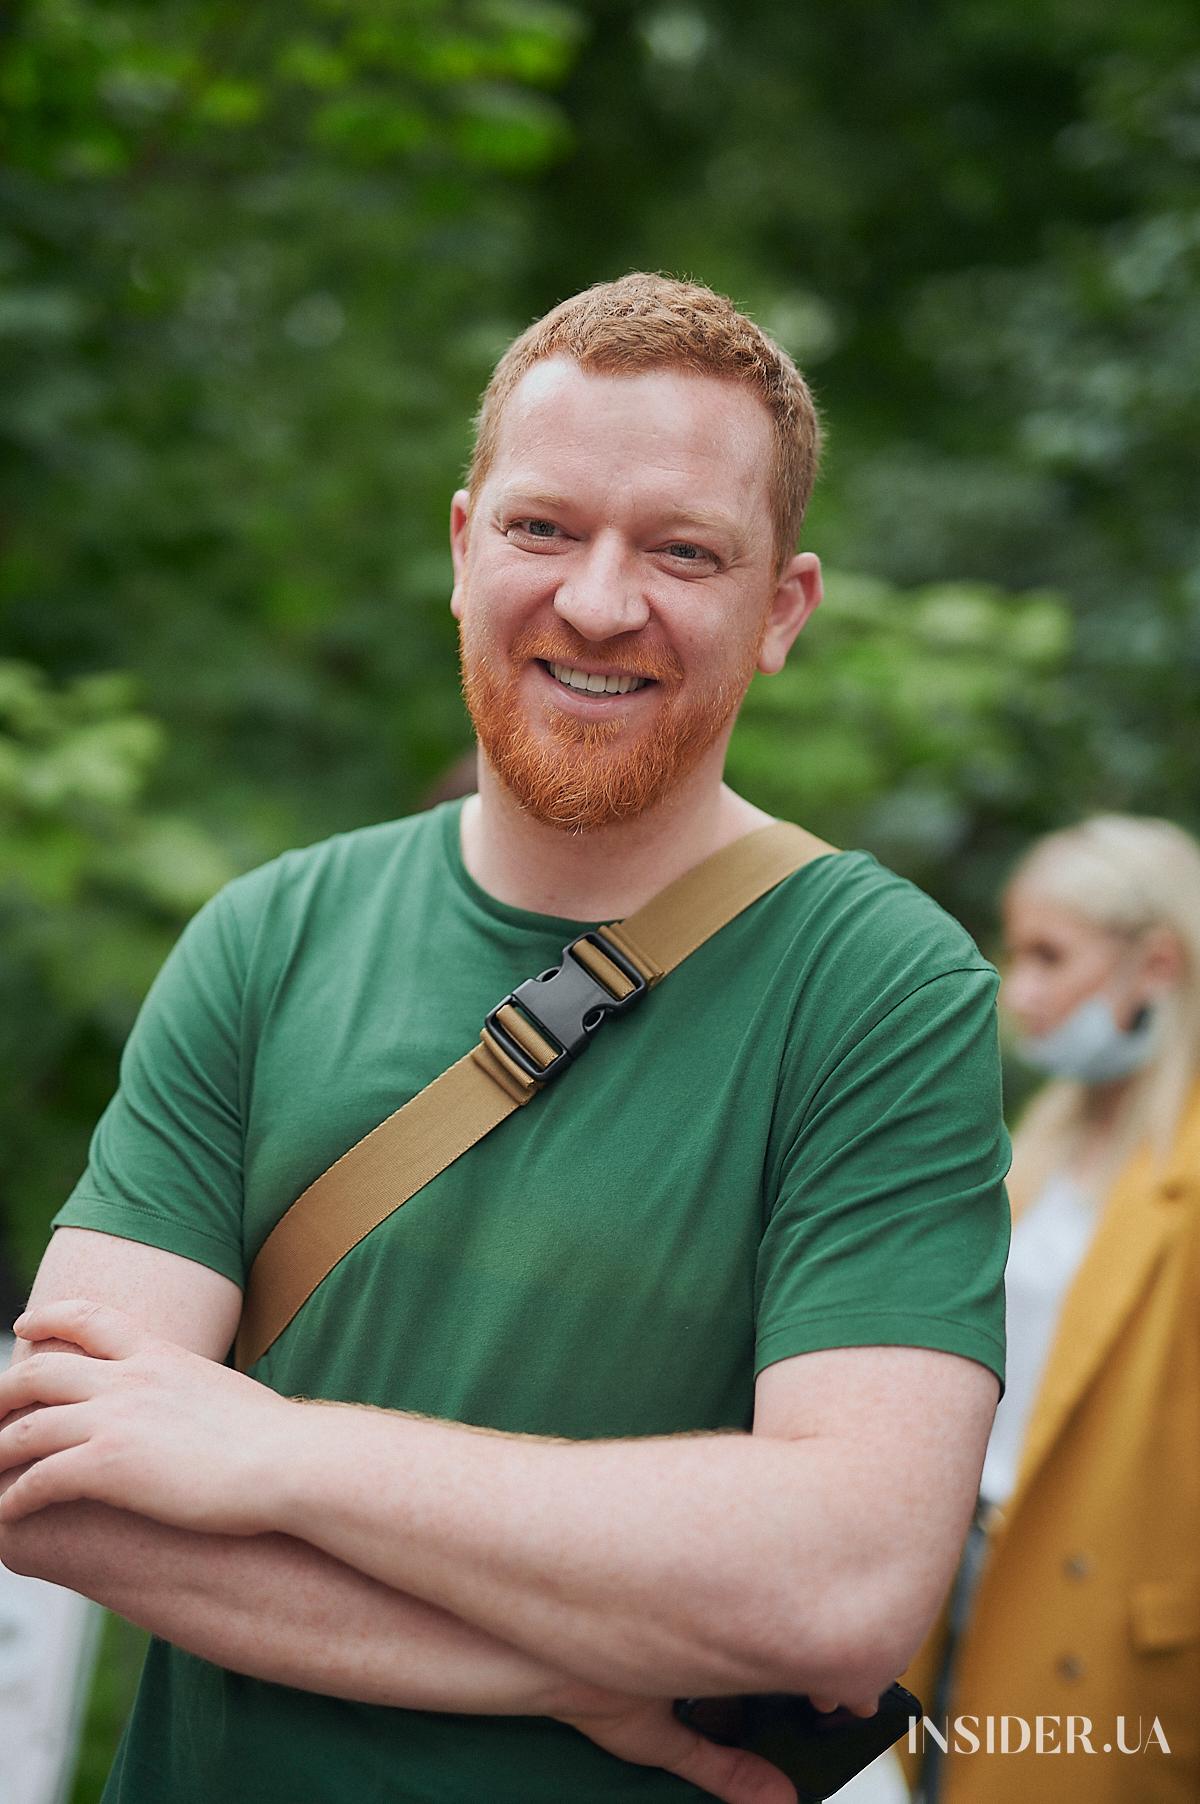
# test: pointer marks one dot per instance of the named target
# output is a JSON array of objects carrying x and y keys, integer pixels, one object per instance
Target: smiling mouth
[{"x": 593, "y": 683}]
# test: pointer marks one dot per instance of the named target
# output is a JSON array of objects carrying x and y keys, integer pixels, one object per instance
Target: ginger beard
[{"x": 576, "y": 774}]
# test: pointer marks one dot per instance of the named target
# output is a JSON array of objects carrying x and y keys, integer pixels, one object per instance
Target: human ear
[
  {"x": 1163, "y": 961},
  {"x": 1159, "y": 967},
  {"x": 797, "y": 596},
  {"x": 460, "y": 507}
]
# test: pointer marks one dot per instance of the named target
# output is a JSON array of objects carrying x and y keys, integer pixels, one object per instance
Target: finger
[
  {"x": 40, "y": 1433},
  {"x": 61, "y": 1478},
  {"x": 52, "y": 1378},
  {"x": 865, "y": 1707},
  {"x": 8, "y": 1479},
  {"x": 732, "y": 1774},
  {"x": 827, "y": 1705},
  {"x": 105, "y": 1332}
]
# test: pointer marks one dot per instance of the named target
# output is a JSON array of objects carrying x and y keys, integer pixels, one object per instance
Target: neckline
[
  {"x": 528, "y": 920},
  {"x": 482, "y": 900}
]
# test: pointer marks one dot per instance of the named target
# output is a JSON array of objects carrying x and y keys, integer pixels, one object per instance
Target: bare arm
[
  {"x": 271, "y": 1607},
  {"x": 807, "y": 1556},
  {"x": 277, "y": 1608}
]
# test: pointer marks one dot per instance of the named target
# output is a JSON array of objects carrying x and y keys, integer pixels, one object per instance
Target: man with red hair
[{"x": 679, "y": 1381}]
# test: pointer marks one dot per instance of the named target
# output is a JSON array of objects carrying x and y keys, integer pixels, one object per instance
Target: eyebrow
[
  {"x": 705, "y": 522},
  {"x": 724, "y": 526}
]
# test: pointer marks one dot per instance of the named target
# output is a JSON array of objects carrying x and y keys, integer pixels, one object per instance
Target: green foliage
[
  {"x": 253, "y": 270},
  {"x": 905, "y": 721},
  {"x": 93, "y": 886},
  {"x": 256, "y": 268},
  {"x": 975, "y": 224}
]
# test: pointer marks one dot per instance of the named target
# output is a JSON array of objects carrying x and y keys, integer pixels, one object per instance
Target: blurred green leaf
[
  {"x": 228, "y": 102},
  {"x": 501, "y": 128}
]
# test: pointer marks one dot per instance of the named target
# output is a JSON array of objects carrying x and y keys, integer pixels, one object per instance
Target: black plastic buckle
[{"x": 567, "y": 1004}]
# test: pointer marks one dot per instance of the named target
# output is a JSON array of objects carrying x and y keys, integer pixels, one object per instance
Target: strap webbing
[{"x": 400, "y": 1156}]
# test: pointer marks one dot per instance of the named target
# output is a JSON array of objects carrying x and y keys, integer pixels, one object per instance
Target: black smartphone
[{"x": 819, "y": 1751}]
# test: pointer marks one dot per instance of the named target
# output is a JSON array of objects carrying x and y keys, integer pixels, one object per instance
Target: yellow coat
[{"x": 1089, "y": 1604}]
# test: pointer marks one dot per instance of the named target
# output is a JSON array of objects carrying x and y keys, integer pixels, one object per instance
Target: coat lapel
[{"x": 1143, "y": 1214}]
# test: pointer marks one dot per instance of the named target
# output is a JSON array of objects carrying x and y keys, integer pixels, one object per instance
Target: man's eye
[
  {"x": 534, "y": 529},
  {"x": 686, "y": 553}
]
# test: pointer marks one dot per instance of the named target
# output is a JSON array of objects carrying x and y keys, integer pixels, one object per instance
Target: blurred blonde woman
[{"x": 1079, "y": 1592}]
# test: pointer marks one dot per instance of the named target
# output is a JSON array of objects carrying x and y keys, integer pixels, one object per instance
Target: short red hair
[{"x": 650, "y": 322}]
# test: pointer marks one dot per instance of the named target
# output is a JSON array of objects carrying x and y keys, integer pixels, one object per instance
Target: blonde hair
[
  {"x": 651, "y": 322},
  {"x": 1127, "y": 875}
]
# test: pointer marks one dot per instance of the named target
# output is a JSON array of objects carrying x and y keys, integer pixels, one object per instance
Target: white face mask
[{"x": 1089, "y": 1046}]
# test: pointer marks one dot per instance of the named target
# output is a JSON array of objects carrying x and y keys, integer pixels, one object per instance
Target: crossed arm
[
  {"x": 399, "y": 1560},
  {"x": 270, "y": 1605}
]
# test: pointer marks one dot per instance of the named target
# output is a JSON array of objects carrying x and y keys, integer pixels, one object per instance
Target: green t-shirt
[{"x": 795, "y": 1143}]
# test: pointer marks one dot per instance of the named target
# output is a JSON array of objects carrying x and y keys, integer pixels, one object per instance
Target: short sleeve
[
  {"x": 890, "y": 1223},
  {"x": 165, "y": 1162}
]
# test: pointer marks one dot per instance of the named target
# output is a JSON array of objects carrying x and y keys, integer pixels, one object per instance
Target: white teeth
[{"x": 597, "y": 685}]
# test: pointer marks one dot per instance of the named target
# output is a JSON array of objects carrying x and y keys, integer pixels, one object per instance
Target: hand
[
  {"x": 647, "y": 1732},
  {"x": 139, "y": 1423}
]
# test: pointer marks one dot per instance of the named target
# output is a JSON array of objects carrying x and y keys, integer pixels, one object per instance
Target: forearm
[
  {"x": 720, "y": 1563},
  {"x": 808, "y": 1556},
  {"x": 276, "y": 1608}
]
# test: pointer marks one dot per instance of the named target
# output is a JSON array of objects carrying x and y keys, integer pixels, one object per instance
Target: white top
[{"x": 1048, "y": 1245}]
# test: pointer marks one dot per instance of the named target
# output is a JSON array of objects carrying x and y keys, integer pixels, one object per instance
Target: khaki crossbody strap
[{"x": 527, "y": 1041}]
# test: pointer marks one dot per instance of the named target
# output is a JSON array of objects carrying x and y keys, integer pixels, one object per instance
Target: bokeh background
[{"x": 255, "y": 264}]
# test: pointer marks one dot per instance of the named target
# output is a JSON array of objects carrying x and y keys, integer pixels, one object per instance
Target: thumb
[
  {"x": 734, "y": 1775},
  {"x": 648, "y": 1733},
  {"x": 103, "y": 1332}
]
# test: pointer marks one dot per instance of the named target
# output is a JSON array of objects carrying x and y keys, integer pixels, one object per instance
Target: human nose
[{"x": 601, "y": 596}]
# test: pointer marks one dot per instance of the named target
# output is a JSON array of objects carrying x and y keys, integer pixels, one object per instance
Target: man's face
[{"x": 616, "y": 586}]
